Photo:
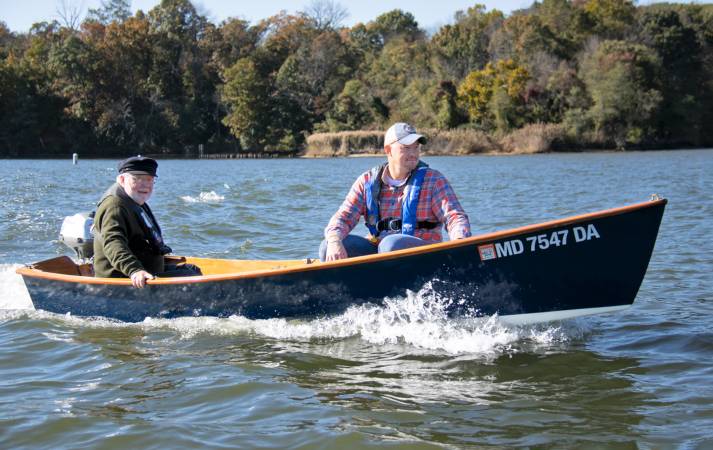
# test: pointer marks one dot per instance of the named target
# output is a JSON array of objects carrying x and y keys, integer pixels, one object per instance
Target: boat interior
[{"x": 64, "y": 265}]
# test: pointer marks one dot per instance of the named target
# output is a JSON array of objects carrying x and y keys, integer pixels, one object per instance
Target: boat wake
[
  {"x": 417, "y": 320},
  {"x": 13, "y": 293},
  {"x": 204, "y": 197},
  {"x": 420, "y": 320}
]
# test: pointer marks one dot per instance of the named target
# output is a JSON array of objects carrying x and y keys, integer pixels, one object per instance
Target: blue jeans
[{"x": 360, "y": 246}]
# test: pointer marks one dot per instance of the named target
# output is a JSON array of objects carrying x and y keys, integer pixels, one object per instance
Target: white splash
[
  {"x": 204, "y": 197},
  {"x": 13, "y": 293},
  {"x": 418, "y": 320}
]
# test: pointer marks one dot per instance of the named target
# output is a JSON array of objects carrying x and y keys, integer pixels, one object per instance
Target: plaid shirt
[{"x": 437, "y": 203}]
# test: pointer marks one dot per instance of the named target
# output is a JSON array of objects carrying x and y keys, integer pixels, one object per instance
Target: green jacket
[{"x": 122, "y": 245}]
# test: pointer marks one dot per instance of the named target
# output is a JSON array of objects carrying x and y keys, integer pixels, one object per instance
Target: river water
[{"x": 372, "y": 377}]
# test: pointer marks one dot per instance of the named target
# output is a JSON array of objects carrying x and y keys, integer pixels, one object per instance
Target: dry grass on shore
[
  {"x": 458, "y": 142},
  {"x": 535, "y": 138},
  {"x": 344, "y": 143}
]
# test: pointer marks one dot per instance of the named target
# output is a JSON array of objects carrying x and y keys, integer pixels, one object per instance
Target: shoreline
[
  {"x": 426, "y": 154},
  {"x": 531, "y": 139}
]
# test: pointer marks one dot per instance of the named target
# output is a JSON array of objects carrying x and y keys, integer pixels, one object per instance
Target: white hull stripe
[{"x": 527, "y": 319}]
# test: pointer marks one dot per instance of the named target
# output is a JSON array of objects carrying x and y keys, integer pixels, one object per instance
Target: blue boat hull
[{"x": 594, "y": 262}]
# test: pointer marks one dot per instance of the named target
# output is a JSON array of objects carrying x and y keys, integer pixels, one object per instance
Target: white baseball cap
[{"x": 402, "y": 133}]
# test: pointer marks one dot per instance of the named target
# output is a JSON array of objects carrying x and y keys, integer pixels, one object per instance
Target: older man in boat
[
  {"x": 127, "y": 237},
  {"x": 404, "y": 203}
]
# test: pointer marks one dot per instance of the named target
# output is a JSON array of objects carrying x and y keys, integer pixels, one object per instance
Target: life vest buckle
[{"x": 389, "y": 224}]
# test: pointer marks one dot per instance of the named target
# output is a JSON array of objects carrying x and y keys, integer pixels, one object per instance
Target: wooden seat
[{"x": 62, "y": 264}]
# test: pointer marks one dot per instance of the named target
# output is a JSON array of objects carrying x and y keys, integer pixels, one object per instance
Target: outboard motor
[{"x": 77, "y": 233}]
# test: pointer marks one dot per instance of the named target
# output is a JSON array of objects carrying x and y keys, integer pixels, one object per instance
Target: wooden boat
[{"x": 586, "y": 264}]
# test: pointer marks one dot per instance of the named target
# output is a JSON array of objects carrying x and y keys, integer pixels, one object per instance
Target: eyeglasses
[{"x": 144, "y": 179}]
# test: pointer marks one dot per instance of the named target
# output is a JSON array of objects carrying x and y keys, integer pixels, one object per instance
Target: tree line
[{"x": 611, "y": 74}]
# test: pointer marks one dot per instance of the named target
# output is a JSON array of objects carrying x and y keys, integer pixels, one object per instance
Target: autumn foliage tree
[
  {"x": 622, "y": 79},
  {"x": 493, "y": 97},
  {"x": 608, "y": 72}
]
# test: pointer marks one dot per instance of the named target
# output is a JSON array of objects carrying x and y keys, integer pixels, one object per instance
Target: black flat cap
[{"x": 139, "y": 165}]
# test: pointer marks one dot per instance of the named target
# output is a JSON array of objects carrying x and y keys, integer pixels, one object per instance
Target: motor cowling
[{"x": 77, "y": 233}]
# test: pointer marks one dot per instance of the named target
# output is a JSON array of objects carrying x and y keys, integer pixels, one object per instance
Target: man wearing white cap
[{"x": 404, "y": 203}]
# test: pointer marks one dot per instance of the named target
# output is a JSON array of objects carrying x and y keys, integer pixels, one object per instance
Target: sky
[
  {"x": 430, "y": 14},
  {"x": 20, "y": 15}
]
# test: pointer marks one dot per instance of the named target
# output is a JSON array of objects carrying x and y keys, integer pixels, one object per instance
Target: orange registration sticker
[{"x": 487, "y": 252}]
